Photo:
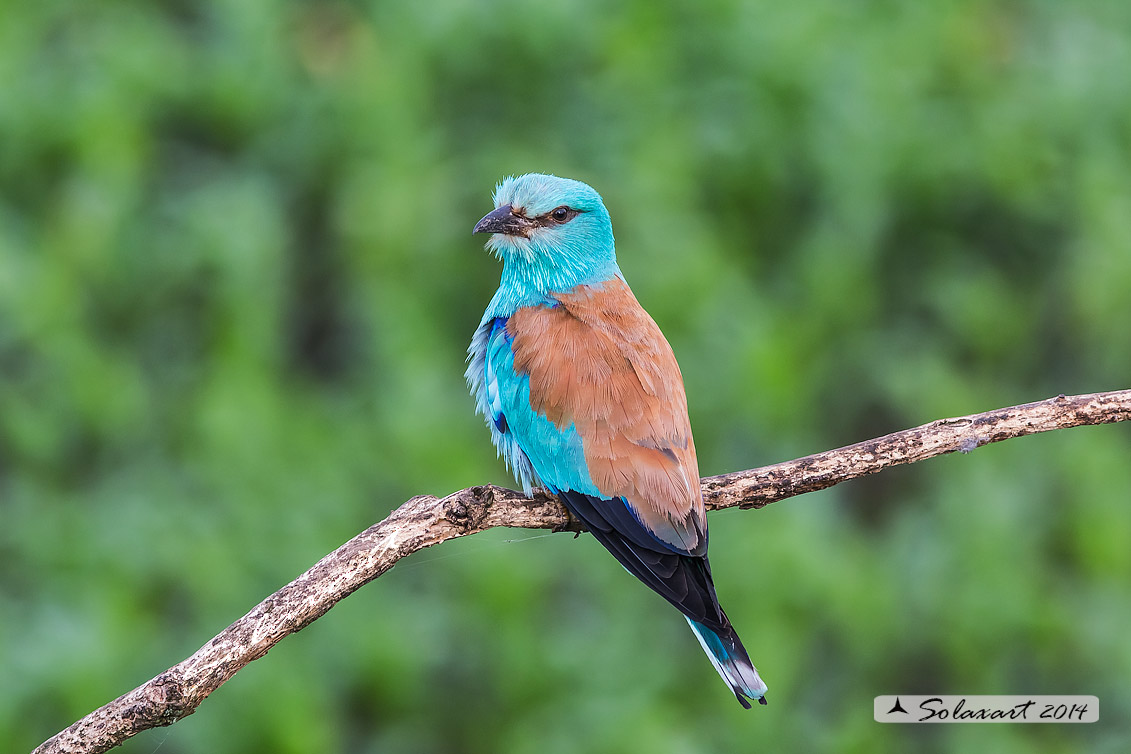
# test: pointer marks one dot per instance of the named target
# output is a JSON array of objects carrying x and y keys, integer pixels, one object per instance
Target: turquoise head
[{"x": 552, "y": 235}]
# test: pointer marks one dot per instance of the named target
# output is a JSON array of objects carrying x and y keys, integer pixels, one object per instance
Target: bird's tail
[{"x": 729, "y": 657}]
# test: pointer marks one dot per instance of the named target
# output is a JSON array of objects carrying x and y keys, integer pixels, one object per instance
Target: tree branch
[{"x": 425, "y": 520}]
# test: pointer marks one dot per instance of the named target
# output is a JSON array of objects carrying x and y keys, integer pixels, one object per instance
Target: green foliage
[{"x": 237, "y": 281}]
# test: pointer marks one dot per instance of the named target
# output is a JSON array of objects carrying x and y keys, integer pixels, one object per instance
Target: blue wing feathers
[{"x": 488, "y": 360}]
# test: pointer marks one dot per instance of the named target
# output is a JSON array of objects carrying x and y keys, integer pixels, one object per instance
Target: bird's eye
[{"x": 561, "y": 214}]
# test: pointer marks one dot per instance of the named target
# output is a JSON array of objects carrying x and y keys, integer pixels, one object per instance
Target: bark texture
[{"x": 425, "y": 520}]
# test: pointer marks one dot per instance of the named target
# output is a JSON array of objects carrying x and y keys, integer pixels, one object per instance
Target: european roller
[{"x": 583, "y": 396}]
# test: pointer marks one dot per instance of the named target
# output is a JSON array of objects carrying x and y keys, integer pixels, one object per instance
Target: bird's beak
[{"x": 502, "y": 220}]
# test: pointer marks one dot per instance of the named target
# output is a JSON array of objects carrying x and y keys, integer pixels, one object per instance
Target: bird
[{"x": 583, "y": 396}]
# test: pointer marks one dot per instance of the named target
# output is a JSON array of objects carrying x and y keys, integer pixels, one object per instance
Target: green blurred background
[{"x": 237, "y": 281}]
